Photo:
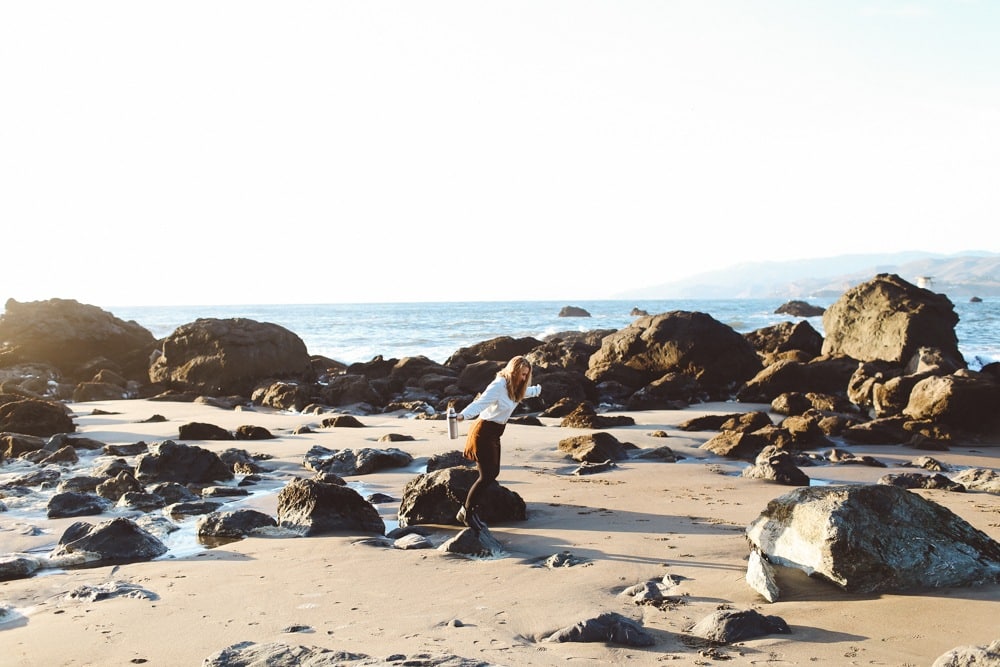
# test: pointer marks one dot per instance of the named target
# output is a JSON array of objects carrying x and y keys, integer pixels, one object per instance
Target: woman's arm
[{"x": 493, "y": 391}]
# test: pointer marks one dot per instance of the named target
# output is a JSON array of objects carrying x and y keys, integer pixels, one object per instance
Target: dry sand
[{"x": 640, "y": 521}]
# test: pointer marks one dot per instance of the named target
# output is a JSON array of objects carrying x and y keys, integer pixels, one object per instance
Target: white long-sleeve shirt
[{"x": 494, "y": 404}]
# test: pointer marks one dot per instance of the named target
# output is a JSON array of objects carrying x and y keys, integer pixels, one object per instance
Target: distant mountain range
[{"x": 959, "y": 276}]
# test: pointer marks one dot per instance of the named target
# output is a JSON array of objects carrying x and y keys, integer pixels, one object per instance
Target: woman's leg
[{"x": 488, "y": 464}]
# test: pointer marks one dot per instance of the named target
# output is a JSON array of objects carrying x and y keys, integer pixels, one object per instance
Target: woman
[{"x": 494, "y": 406}]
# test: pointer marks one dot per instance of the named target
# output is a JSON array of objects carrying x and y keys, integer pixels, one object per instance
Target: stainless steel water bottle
[{"x": 452, "y": 423}]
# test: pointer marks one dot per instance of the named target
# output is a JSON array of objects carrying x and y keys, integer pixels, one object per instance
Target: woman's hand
[{"x": 459, "y": 417}]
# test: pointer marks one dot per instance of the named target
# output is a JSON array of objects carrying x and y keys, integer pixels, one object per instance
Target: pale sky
[{"x": 330, "y": 152}]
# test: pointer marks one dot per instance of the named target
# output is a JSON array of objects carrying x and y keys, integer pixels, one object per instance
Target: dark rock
[
  {"x": 882, "y": 431},
  {"x": 746, "y": 422},
  {"x": 192, "y": 508},
  {"x": 594, "y": 448},
  {"x": 240, "y": 462},
  {"x": 821, "y": 374},
  {"x": 13, "y": 445},
  {"x": 797, "y": 308},
  {"x": 774, "y": 465},
  {"x": 569, "y": 351},
  {"x": 434, "y": 498},
  {"x": 472, "y": 543},
  {"x": 447, "y": 460},
  {"x": 661, "y": 453},
  {"x": 609, "y": 627},
  {"x": 71, "y": 336},
  {"x": 98, "y": 391},
  {"x": 673, "y": 391},
  {"x": 115, "y": 487},
  {"x": 202, "y": 431},
  {"x": 236, "y": 524},
  {"x": 173, "y": 492},
  {"x": 219, "y": 357},
  {"x": 912, "y": 480},
  {"x": 499, "y": 350},
  {"x": 35, "y": 417},
  {"x": 844, "y": 457},
  {"x": 889, "y": 319},
  {"x": 17, "y": 566},
  {"x": 250, "y": 654},
  {"x": 80, "y": 484},
  {"x": 735, "y": 445},
  {"x": 927, "y": 463},
  {"x": 283, "y": 396},
  {"x": 116, "y": 541},
  {"x": 728, "y": 625},
  {"x": 66, "y": 455},
  {"x": 248, "y": 432},
  {"x": 171, "y": 462},
  {"x": 342, "y": 421},
  {"x": 695, "y": 344},
  {"x": 112, "y": 468},
  {"x": 313, "y": 508},
  {"x": 350, "y": 389},
  {"x": 355, "y": 461},
  {"x": 396, "y": 437},
  {"x": 770, "y": 342},
  {"x": 707, "y": 422},
  {"x": 583, "y": 416},
  {"x": 966, "y": 402},
  {"x": 141, "y": 501},
  {"x": 134, "y": 449},
  {"x": 37, "y": 478},
  {"x": 70, "y": 504},
  {"x": 573, "y": 311}
]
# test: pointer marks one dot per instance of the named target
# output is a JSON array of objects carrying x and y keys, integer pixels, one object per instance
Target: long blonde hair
[{"x": 516, "y": 388}]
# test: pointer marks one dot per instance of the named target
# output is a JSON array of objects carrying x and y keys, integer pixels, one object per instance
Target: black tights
[{"x": 487, "y": 462}]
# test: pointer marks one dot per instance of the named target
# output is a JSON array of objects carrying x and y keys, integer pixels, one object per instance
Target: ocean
[{"x": 358, "y": 332}]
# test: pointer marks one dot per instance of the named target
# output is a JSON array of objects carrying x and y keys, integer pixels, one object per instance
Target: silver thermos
[{"x": 452, "y": 423}]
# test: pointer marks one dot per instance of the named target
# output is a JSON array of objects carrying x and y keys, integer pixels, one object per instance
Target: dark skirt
[{"x": 484, "y": 436}]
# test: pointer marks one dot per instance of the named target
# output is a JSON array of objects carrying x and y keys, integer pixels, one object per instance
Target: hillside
[{"x": 960, "y": 276}]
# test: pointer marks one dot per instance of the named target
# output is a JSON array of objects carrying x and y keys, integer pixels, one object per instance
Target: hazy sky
[{"x": 312, "y": 152}]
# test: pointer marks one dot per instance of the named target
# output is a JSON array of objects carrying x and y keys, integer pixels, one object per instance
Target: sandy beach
[{"x": 639, "y": 521}]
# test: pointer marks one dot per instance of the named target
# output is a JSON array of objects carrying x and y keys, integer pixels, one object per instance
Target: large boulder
[
  {"x": 312, "y": 507},
  {"x": 35, "y": 417},
  {"x": 874, "y": 538},
  {"x": 889, "y": 319},
  {"x": 786, "y": 337},
  {"x": 436, "y": 496},
  {"x": 964, "y": 400},
  {"x": 118, "y": 540},
  {"x": 186, "y": 464},
  {"x": 220, "y": 357},
  {"x": 692, "y": 343},
  {"x": 76, "y": 338},
  {"x": 500, "y": 349},
  {"x": 821, "y": 374}
]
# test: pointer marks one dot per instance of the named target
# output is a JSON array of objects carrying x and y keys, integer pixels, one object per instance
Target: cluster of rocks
[{"x": 889, "y": 367}]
